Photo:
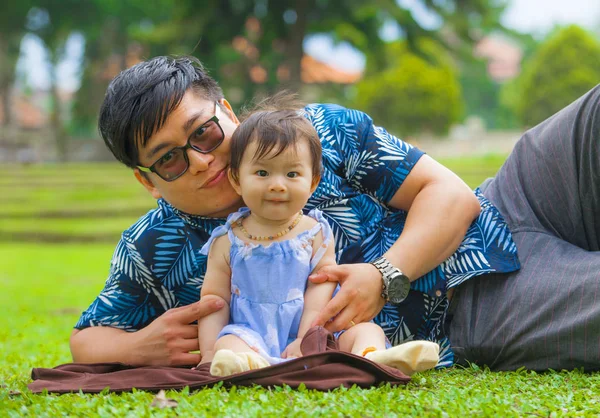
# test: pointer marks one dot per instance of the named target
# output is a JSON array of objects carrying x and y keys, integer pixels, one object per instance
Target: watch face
[{"x": 398, "y": 289}]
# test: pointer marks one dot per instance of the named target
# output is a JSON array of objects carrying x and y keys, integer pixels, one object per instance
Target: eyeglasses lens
[
  {"x": 206, "y": 138},
  {"x": 172, "y": 165}
]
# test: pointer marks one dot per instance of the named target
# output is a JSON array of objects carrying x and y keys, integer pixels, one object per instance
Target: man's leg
[
  {"x": 545, "y": 315},
  {"x": 551, "y": 180}
]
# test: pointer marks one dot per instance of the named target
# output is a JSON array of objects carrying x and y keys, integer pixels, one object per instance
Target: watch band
[
  {"x": 385, "y": 267},
  {"x": 388, "y": 273}
]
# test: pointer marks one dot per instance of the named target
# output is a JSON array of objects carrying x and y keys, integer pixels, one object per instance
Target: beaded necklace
[{"x": 238, "y": 223}]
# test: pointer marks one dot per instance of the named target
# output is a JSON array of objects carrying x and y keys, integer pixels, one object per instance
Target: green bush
[
  {"x": 564, "y": 67},
  {"x": 413, "y": 93},
  {"x": 480, "y": 91}
]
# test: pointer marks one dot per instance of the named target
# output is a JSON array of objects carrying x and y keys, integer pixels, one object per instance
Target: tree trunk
[
  {"x": 296, "y": 50},
  {"x": 6, "y": 80},
  {"x": 56, "y": 122},
  {"x": 90, "y": 95},
  {"x": 5, "y": 94}
]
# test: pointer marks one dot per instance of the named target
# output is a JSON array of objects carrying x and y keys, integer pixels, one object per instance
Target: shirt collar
[{"x": 196, "y": 221}]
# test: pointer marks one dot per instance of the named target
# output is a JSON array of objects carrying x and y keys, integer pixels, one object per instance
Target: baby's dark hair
[{"x": 276, "y": 123}]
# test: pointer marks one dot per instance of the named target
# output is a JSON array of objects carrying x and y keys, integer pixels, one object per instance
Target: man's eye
[
  {"x": 262, "y": 173},
  {"x": 292, "y": 174},
  {"x": 200, "y": 131},
  {"x": 167, "y": 157}
]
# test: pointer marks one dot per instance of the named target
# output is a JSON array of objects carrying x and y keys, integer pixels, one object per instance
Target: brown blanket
[{"x": 322, "y": 368}]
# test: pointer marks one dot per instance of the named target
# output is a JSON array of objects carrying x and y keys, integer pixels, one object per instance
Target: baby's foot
[
  {"x": 409, "y": 358},
  {"x": 226, "y": 362}
]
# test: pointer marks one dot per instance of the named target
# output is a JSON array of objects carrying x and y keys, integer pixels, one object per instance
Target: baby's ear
[
  {"x": 234, "y": 183},
  {"x": 315, "y": 183}
]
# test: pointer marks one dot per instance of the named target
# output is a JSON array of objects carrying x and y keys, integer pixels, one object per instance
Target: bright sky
[
  {"x": 534, "y": 16},
  {"x": 538, "y": 16}
]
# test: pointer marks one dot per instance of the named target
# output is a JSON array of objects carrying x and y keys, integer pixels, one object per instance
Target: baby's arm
[
  {"x": 217, "y": 285},
  {"x": 315, "y": 297}
]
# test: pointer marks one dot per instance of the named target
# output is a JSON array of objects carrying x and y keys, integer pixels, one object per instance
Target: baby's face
[{"x": 276, "y": 188}]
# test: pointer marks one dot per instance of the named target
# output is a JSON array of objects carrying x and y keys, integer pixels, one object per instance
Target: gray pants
[{"x": 546, "y": 315}]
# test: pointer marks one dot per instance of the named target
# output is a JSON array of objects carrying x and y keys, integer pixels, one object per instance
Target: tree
[
  {"x": 256, "y": 46},
  {"x": 53, "y": 22},
  {"x": 480, "y": 91},
  {"x": 260, "y": 42},
  {"x": 564, "y": 67},
  {"x": 12, "y": 29},
  {"x": 413, "y": 94},
  {"x": 111, "y": 42}
]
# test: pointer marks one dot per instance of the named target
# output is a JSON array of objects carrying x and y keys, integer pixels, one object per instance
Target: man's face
[{"x": 204, "y": 189}]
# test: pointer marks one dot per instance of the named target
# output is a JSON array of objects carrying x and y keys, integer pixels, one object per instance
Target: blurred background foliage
[
  {"x": 446, "y": 87},
  {"x": 563, "y": 68},
  {"x": 413, "y": 92},
  {"x": 422, "y": 82}
]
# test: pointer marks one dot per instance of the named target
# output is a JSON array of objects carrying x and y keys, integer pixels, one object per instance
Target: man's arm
[
  {"x": 167, "y": 341},
  {"x": 440, "y": 209}
]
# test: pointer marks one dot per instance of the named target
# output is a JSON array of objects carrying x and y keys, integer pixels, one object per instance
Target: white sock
[
  {"x": 226, "y": 362},
  {"x": 409, "y": 358}
]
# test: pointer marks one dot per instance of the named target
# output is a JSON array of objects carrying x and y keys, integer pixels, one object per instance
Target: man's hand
[
  {"x": 167, "y": 341},
  {"x": 358, "y": 300},
  {"x": 293, "y": 349}
]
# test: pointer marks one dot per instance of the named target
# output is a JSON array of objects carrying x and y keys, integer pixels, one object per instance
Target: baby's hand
[{"x": 293, "y": 350}]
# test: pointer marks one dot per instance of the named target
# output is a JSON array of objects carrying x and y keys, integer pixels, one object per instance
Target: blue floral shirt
[{"x": 157, "y": 264}]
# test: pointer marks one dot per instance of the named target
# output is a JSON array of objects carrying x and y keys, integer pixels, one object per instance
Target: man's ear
[
  {"x": 234, "y": 184},
  {"x": 147, "y": 183},
  {"x": 230, "y": 111}
]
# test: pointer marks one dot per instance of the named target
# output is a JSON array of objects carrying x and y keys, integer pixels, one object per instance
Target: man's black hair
[{"x": 139, "y": 100}]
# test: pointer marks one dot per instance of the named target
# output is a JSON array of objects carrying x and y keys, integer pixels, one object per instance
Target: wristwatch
[{"x": 396, "y": 284}]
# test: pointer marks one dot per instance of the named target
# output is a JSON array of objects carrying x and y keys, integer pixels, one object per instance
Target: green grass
[
  {"x": 67, "y": 226},
  {"x": 43, "y": 288},
  {"x": 82, "y": 202},
  {"x": 74, "y": 202},
  {"x": 27, "y": 196}
]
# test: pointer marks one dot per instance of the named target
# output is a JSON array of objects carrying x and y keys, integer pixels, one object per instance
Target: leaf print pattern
[{"x": 157, "y": 264}]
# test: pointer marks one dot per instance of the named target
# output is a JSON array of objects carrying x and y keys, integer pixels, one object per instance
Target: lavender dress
[{"x": 268, "y": 285}]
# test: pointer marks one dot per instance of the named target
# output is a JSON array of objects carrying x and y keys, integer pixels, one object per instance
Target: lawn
[
  {"x": 44, "y": 286},
  {"x": 95, "y": 202}
]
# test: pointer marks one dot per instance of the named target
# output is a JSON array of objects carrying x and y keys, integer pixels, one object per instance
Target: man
[{"x": 398, "y": 215}]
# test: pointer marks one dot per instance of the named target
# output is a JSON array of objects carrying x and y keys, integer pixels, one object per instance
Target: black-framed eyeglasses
[{"x": 175, "y": 163}]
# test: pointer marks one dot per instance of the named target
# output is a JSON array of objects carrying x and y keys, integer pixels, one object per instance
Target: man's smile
[{"x": 215, "y": 178}]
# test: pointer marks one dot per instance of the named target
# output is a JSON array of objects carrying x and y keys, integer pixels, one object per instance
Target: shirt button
[{"x": 438, "y": 293}]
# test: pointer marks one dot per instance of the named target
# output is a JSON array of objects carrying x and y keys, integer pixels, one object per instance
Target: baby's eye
[
  {"x": 262, "y": 173},
  {"x": 292, "y": 174}
]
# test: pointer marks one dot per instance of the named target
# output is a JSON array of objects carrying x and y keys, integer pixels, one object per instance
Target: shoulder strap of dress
[{"x": 224, "y": 229}]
